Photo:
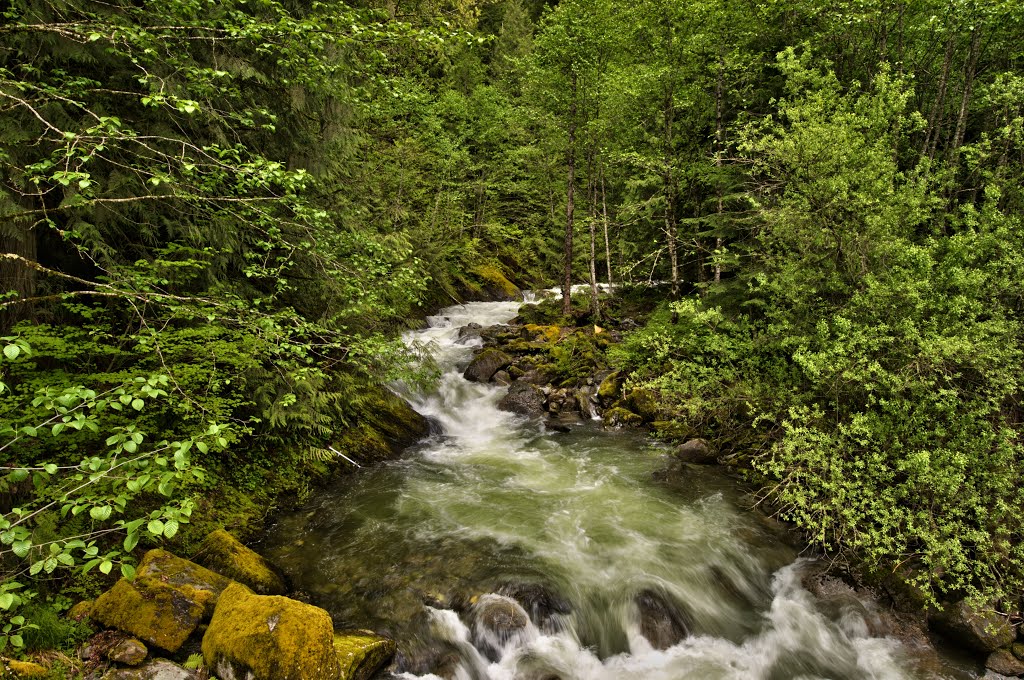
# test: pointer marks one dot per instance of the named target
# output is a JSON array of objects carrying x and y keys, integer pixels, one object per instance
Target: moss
[
  {"x": 672, "y": 430},
  {"x": 196, "y": 583},
  {"x": 224, "y": 554},
  {"x": 550, "y": 334},
  {"x": 622, "y": 417},
  {"x": 608, "y": 390},
  {"x": 150, "y": 610},
  {"x": 80, "y": 611},
  {"x": 269, "y": 637},
  {"x": 361, "y": 653},
  {"x": 643, "y": 403},
  {"x": 496, "y": 282},
  {"x": 26, "y": 669}
]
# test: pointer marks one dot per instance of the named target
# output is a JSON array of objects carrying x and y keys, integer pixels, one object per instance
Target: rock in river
[
  {"x": 224, "y": 554},
  {"x": 523, "y": 398},
  {"x": 486, "y": 364}
]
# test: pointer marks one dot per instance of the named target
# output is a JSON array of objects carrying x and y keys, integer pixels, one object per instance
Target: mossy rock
[
  {"x": 496, "y": 284},
  {"x": 195, "y": 582},
  {"x": 81, "y": 611},
  {"x": 269, "y": 637},
  {"x": 361, "y": 653},
  {"x": 25, "y": 669},
  {"x": 486, "y": 364},
  {"x": 621, "y": 417},
  {"x": 643, "y": 403},
  {"x": 672, "y": 429},
  {"x": 153, "y": 611},
  {"x": 157, "y": 669},
  {"x": 609, "y": 389},
  {"x": 549, "y": 334},
  {"x": 393, "y": 417},
  {"x": 981, "y": 630},
  {"x": 224, "y": 554}
]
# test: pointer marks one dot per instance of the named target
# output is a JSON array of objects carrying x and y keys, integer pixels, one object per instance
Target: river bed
[{"x": 499, "y": 550}]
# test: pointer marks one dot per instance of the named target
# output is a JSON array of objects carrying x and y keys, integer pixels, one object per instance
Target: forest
[{"x": 217, "y": 218}]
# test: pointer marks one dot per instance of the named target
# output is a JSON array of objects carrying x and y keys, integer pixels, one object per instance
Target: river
[{"x": 498, "y": 550}]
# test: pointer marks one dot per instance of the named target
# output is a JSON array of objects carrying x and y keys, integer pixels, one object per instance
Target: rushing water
[{"x": 497, "y": 550}]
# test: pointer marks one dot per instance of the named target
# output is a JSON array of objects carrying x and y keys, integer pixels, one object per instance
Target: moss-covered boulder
[
  {"x": 196, "y": 582},
  {"x": 486, "y": 364},
  {"x": 361, "y": 653},
  {"x": 80, "y": 611},
  {"x": 643, "y": 403},
  {"x": 621, "y": 417},
  {"x": 269, "y": 637},
  {"x": 165, "y": 603},
  {"x": 545, "y": 334},
  {"x": 495, "y": 284},
  {"x": 151, "y": 610},
  {"x": 224, "y": 554},
  {"x": 609, "y": 389},
  {"x": 982, "y": 631}
]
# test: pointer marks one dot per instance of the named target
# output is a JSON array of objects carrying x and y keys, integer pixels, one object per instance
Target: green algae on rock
[
  {"x": 269, "y": 637},
  {"x": 362, "y": 652},
  {"x": 153, "y": 611},
  {"x": 224, "y": 554},
  {"x": 194, "y": 581}
]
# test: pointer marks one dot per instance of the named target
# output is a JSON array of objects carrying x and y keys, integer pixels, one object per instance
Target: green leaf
[
  {"x": 156, "y": 527},
  {"x": 21, "y": 548},
  {"x": 131, "y": 540},
  {"x": 100, "y": 512},
  {"x": 50, "y": 468},
  {"x": 12, "y": 352},
  {"x": 106, "y": 566},
  {"x": 16, "y": 641},
  {"x": 128, "y": 571},
  {"x": 137, "y": 404},
  {"x": 35, "y": 568},
  {"x": 170, "y": 528},
  {"x": 6, "y": 600}
]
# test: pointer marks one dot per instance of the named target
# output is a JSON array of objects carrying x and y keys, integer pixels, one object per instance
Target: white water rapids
[{"x": 438, "y": 548}]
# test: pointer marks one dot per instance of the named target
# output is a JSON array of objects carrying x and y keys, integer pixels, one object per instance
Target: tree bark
[
  {"x": 607, "y": 243},
  {"x": 931, "y": 138},
  {"x": 965, "y": 100},
  {"x": 15, "y": 277},
  {"x": 570, "y": 196}
]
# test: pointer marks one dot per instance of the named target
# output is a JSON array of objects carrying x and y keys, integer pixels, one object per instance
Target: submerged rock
[
  {"x": 362, "y": 652},
  {"x": 486, "y": 364},
  {"x": 497, "y": 619},
  {"x": 224, "y": 554},
  {"x": 661, "y": 622},
  {"x": 540, "y": 602},
  {"x": 269, "y": 637},
  {"x": 696, "y": 451},
  {"x": 523, "y": 398},
  {"x": 982, "y": 631}
]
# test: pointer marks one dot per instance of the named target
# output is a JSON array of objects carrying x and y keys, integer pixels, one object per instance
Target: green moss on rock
[
  {"x": 195, "y": 582},
  {"x": 362, "y": 652},
  {"x": 25, "y": 669},
  {"x": 153, "y": 611},
  {"x": 496, "y": 283},
  {"x": 608, "y": 390},
  {"x": 643, "y": 403},
  {"x": 269, "y": 637},
  {"x": 621, "y": 417},
  {"x": 224, "y": 554}
]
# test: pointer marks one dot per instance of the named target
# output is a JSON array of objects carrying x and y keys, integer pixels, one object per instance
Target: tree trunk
[
  {"x": 607, "y": 243},
  {"x": 15, "y": 277},
  {"x": 569, "y": 206},
  {"x": 595, "y": 306},
  {"x": 931, "y": 137},
  {"x": 969, "y": 73},
  {"x": 719, "y": 146}
]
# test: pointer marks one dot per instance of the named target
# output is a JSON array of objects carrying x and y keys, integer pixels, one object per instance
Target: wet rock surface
[{"x": 662, "y": 621}]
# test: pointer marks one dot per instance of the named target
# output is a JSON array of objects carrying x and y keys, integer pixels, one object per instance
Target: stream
[{"x": 498, "y": 550}]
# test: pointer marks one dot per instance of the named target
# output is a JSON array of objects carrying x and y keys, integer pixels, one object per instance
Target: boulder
[
  {"x": 643, "y": 403},
  {"x": 609, "y": 388},
  {"x": 696, "y": 451},
  {"x": 543, "y": 334},
  {"x": 523, "y": 398},
  {"x": 151, "y": 610},
  {"x": 982, "y": 631},
  {"x": 196, "y": 582},
  {"x": 496, "y": 620},
  {"x": 661, "y": 622},
  {"x": 621, "y": 417},
  {"x": 541, "y": 375},
  {"x": 129, "y": 652},
  {"x": 502, "y": 378},
  {"x": 1002, "y": 661},
  {"x": 1018, "y": 650},
  {"x": 224, "y": 554},
  {"x": 269, "y": 637},
  {"x": 157, "y": 669},
  {"x": 495, "y": 284},
  {"x": 486, "y": 364},
  {"x": 540, "y": 602},
  {"x": 362, "y": 652},
  {"x": 468, "y": 333}
]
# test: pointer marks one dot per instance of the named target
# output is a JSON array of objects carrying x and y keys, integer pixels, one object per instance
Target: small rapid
[{"x": 496, "y": 550}]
